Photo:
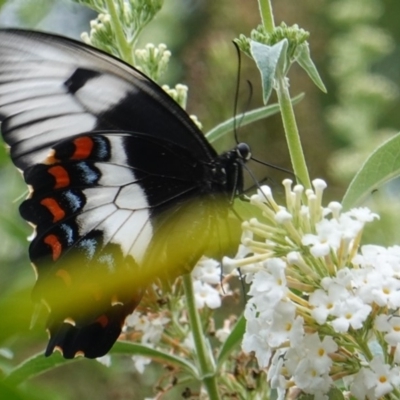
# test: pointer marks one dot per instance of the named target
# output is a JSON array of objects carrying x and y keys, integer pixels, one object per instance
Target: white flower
[
  {"x": 254, "y": 339},
  {"x": 382, "y": 377},
  {"x": 283, "y": 216},
  {"x": 363, "y": 214},
  {"x": 318, "y": 351},
  {"x": 105, "y": 360},
  {"x": 275, "y": 375},
  {"x": 269, "y": 286},
  {"x": 154, "y": 329},
  {"x": 206, "y": 295},
  {"x": 151, "y": 326},
  {"x": 323, "y": 305},
  {"x": 308, "y": 378},
  {"x": 207, "y": 270},
  {"x": 6, "y": 353},
  {"x": 224, "y": 332},
  {"x": 296, "y": 332},
  {"x": 391, "y": 325},
  {"x": 350, "y": 312},
  {"x": 140, "y": 363},
  {"x": 138, "y": 321},
  {"x": 281, "y": 324},
  {"x": 328, "y": 236},
  {"x": 362, "y": 386}
]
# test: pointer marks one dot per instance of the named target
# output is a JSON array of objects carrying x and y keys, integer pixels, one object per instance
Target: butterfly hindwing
[{"x": 124, "y": 188}]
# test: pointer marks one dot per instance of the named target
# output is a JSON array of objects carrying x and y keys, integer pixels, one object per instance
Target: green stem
[
  {"x": 292, "y": 133},
  {"x": 266, "y": 15},
  {"x": 123, "y": 46},
  {"x": 204, "y": 356}
]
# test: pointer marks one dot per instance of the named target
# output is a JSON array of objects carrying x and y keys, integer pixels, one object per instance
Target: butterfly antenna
[
  {"x": 255, "y": 180},
  {"x": 277, "y": 167}
]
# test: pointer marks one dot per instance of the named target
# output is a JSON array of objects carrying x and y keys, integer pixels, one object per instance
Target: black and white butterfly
[{"x": 124, "y": 188}]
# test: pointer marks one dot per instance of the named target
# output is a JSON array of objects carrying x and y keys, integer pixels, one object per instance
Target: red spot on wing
[
  {"x": 55, "y": 209},
  {"x": 61, "y": 176},
  {"x": 56, "y": 246},
  {"x": 83, "y": 148},
  {"x": 65, "y": 276},
  {"x": 103, "y": 320}
]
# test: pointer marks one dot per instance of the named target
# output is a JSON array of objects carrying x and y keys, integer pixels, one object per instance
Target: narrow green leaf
[
  {"x": 304, "y": 59},
  {"x": 267, "y": 59},
  {"x": 39, "y": 364},
  {"x": 137, "y": 349},
  {"x": 233, "y": 340},
  {"x": 34, "y": 366},
  {"x": 245, "y": 119},
  {"x": 381, "y": 166}
]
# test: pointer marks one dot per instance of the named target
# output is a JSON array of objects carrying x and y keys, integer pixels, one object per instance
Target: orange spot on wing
[
  {"x": 102, "y": 320},
  {"x": 83, "y": 148},
  {"x": 54, "y": 243},
  {"x": 66, "y": 277},
  {"x": 61, "y": 176},
  {"x": 55, "y": 209},
  {"x": 51, "y": 159}
]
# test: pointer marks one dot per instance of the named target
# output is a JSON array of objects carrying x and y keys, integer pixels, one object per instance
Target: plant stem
[
  {"x": 292, "y": 133},
  {"x": 123, "y": 46},
  {"x": 266, "y": 15},
  {"x": 288, "y": 118},
  {"x": 205, "y": 359}
]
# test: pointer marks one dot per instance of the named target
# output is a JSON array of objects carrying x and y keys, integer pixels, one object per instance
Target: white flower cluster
[
  {"x": 151, "y": 326},
  {"x": 321, "y": 312},
  {"x": 153, "y": 60}
]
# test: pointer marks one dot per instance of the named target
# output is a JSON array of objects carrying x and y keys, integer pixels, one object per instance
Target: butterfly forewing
[
  {"x": 82, "y": 89},
  {"x": 124, "y": 187}
]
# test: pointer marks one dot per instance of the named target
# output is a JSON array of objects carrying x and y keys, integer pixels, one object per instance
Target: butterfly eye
[{"x": 243, "y": 151}]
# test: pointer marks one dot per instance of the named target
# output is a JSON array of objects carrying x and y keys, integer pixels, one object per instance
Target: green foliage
[
  {"x": 294, "y": 35},
  {"x": 227, "y": 126},
  {"x": 381, "y": 166},
  {"x": 119, "y": 24},
  {"x": 363, "y": 98},
  {"x": 270, "y": 60},
  {"x": 32, "y": 12}
]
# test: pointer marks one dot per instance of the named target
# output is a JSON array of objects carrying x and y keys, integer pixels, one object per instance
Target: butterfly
[{"x": 124, "y": 187}]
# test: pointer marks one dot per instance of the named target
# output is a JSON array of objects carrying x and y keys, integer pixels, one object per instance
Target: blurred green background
[{"x": 355, "y": 45}]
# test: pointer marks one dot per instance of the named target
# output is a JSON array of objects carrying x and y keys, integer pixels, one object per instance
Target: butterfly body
[{"x": 124, "y": 187}]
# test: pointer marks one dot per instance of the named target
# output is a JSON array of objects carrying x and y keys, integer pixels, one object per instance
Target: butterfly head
[{"x": 243, "y": 151}]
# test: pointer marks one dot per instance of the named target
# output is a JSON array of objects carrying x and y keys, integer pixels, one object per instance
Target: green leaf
[
  {"x": 304, "y": 59},
  {"x": 137, "y": 349},
  {"x": 232, "y": 340},
  {"x": 382, "y": 166},
  {"x": 245, "y": 119},
  {"x": 39, "y": 364},
  {"x": 34, "y": 366},
  {"x": 335, "y": 394},
  {"x": 269, "y": 60}
]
